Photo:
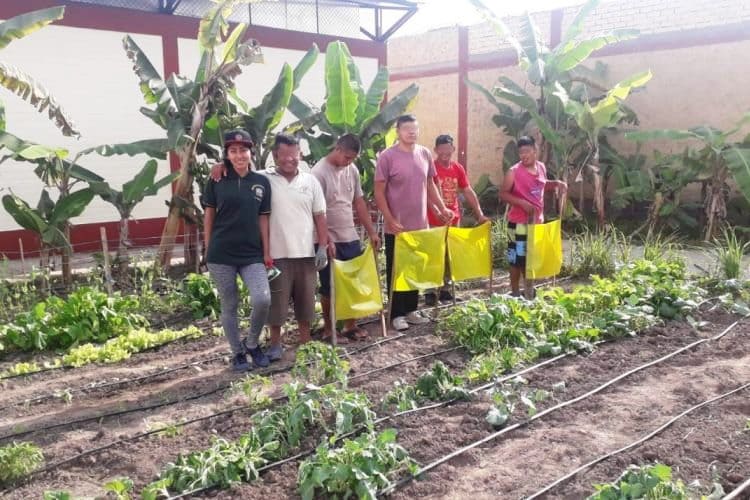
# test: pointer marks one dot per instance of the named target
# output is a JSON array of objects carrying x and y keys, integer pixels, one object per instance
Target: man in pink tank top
[{"x": 523, "y": 189}]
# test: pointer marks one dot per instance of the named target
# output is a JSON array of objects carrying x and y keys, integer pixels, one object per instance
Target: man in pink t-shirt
[
  {"x": 523, "y": 189},
  {"x": 402, "y": 192},
  {"x": 451, "y": 181}
]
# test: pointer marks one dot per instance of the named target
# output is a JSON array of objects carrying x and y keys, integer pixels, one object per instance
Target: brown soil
[{"x": 501, "y": 469}]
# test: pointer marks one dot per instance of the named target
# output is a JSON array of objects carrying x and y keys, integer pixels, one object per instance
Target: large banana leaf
[
  {"x": 535, "y": 50},
  {"x": 19, "y": 26},
  {"x": 657, "y": 135},
  {"x": 576, "y": 26},
  {"x": 229, "y": 52},
  {"x": 23, "y": 214},
  {"x": 605, "y": 111},
  {"x": 577, "y": 52},
  {"x": 157, "y": 148},
  {"x": 342, "y": 98},
  {"x": 35, "y": 94},
  {"x": 511, "y": 92},
  {"x": 70, "y": 206},
  {"x": 382, "y": 122},
  {"x": 304, "y": 65},
  {"x": 213, "y": 26},
  {"x": 268, "y": 115},
  {"x": 738, "y": 161},
  {"x": 375, "y": 94},
  {"x": 502, "y": 29},
  {"x": 153, "y": 88}
]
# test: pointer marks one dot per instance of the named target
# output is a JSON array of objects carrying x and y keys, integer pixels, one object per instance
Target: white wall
[{"x": 90, "y": 76}]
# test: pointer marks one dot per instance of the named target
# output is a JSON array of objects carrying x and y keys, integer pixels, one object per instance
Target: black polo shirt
[{"x": 239, "y": 202}]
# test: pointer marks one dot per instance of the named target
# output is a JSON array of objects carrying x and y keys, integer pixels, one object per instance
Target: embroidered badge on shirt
[{"x": 258, "y": 191}]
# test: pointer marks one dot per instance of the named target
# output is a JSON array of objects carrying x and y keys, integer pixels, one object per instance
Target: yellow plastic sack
[
  {"x": 357, "y": 286},
  {"x": 544, "y": 250},
  {"x": 469, "y": 252},
  {"x": 419, "y": 259}
]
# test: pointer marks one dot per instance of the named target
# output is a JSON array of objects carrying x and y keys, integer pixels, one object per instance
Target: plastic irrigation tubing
[
  {"x": 173, "y": 369},
  {"x": 219, "y": 388},
  {"x": 399, "y": 363},
  {"x": 735, "y": 493},
  {"x": 637, "y": 442},
  {"x": 390, "y": 489}
]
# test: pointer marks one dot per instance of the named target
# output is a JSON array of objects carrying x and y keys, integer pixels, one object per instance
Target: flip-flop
[{"x": 356, "y": 334}]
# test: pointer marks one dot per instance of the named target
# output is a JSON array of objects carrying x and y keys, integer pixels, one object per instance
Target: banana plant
[
  {"x": 20, "y": 83},
  {"x": 714, "y": 164},
  {"x": 348, "y": 108},
  {"x": 261, "y": 121},
  {"x": 133, "y": 192},
  {"x": 546, "y": 68},
  {"x": 607, "y": 112},
  {"x": 182, "y": 106}
]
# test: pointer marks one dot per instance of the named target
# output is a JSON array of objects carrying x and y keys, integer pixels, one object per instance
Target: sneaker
[
  {"x": 239, "y": 362},
  {"x": 275, "y": 352},
  {"x": 400, "y": 324},
  {"x": 260, "y": 359},
  {"x": 416, "y": 318},
  {"x": 430, "y": 299},
  {"x": 446, "y": 296}
]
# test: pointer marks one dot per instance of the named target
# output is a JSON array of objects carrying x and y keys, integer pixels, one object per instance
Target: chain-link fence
[{"x": 310, "y": 16}]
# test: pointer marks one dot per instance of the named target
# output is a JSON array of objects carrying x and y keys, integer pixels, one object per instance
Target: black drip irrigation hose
[
  {"x": 390, "y": 489},
  {"x": 636, "y": 443},
  {"x": 219, "y": 388},
  {"x": 735, "y": 493}
]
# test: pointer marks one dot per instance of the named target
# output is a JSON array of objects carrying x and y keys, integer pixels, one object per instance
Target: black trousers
[{"x": 403, "y": 302}]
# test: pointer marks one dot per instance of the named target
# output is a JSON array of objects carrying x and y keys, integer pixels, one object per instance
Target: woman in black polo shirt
[{"x": 236, "y": 233}]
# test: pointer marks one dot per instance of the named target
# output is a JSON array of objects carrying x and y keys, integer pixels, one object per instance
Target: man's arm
[
  {"x": 434, "y": 199},
  {"x": 363, "y": 214},
  {"x": 392, "y": 225},
  {"x": 473, "y": 201},
  {"x": 506, "y": 196},
  {"x": 321, "y": 229}
]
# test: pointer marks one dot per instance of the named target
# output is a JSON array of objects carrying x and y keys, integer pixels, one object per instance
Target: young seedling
[{"x": 18, "y": 460}]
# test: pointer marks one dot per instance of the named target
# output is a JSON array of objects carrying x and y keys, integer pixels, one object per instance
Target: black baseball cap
[
  {"x": 238, "y": 136},
  {"x": 443, "y": 139}
]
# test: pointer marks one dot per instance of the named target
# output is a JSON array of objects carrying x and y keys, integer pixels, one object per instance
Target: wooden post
[
  {"x": 23, "y": 257},
  {"x": 197, "y": 250},
  {"x": 332, "y": 302},
  {"x": 105, "y": 253}
]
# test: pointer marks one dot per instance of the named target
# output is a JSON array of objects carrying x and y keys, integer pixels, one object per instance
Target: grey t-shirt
[{"x": 341, "y": 185}]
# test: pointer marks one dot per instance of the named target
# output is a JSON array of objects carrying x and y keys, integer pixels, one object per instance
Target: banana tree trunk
[
  {"x": 184, "y": 188},
  {"x": 716, "y": 206},
  {"x": 67, "y": 272},
  {"x": 122, "y": 246}
]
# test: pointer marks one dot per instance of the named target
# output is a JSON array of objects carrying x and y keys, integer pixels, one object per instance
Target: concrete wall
[{"x": 696, "y": 51}]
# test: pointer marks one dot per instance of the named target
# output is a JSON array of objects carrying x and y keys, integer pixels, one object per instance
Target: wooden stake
[
  {"x": 23, "y": 257},
  {"x": 105, "y": 253},
  {"x": 197, "y": 250},
  {"x": 332, "y": 302}
]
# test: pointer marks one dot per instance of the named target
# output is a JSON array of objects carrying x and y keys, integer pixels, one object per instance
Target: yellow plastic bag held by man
[
  {"x": 419, "y": 259},
  {"x": 544, "y": 250},
  {"x": 469, "y": 252},
  {"x": 357, "y": 286}
]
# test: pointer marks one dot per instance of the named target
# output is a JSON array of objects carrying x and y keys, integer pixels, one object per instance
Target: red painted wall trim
[
  {"x": 85, "y": 237},
  {"x": 463, "y": 95},
  {"x": 151, "y": 23}
]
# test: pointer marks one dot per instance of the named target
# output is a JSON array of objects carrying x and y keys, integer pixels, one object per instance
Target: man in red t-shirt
[{"x": 451, "y": 181}]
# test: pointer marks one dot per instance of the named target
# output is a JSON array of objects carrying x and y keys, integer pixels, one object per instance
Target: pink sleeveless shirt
[{"x": 530, "y": 188}]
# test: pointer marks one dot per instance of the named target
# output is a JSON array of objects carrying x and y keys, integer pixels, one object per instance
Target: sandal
[{"x": 356, "y": 334}]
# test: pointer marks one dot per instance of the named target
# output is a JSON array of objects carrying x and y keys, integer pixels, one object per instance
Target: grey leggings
[{"x": 256, "y": 280}]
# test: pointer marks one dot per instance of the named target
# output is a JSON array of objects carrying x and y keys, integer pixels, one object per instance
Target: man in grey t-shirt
[{"x": 342, "y": 188}]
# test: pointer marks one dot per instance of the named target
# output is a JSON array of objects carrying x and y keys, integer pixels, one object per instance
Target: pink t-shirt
[
  {"x": 528, "y": 187},
  {"x": 405, "y": 174}
]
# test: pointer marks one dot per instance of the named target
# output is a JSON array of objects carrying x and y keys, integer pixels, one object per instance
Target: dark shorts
[
  {"x": 296, "y": 281},
  {"x": 346, "y": 250},
  {"x": 517, "y": 244}
]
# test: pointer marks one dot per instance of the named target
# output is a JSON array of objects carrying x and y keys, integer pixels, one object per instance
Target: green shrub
[{"x": 18, "y": 460}]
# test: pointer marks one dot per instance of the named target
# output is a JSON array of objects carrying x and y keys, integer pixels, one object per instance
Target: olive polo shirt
[{"x": 239, "y": 203}]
